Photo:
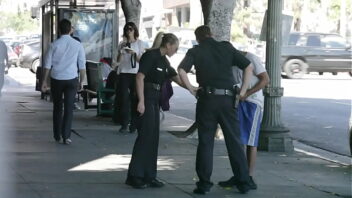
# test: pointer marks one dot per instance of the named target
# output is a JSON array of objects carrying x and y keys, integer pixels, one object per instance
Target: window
[
  {"x": 333, "y": 41},
  {"x": 293, "y": 39},
  {"x": 302, "y": 41},
  {"x": 313, "y": 41}
]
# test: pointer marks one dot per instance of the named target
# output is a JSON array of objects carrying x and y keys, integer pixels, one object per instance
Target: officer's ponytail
[{"x": 157, "y": 40}]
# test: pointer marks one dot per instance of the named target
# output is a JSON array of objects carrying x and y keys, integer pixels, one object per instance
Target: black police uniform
[
  {"x": 213, "y": 61},
  {"x": 156, "y": 69}
]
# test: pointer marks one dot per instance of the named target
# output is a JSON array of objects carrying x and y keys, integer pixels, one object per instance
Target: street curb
[
  {"x": 322, "y": 154},
  {"x": 302, "y": 148}
]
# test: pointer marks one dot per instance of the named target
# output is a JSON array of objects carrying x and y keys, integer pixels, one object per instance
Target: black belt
[
  {"x": 219, "y": 92},
  {"x": 152, "y": 86}
]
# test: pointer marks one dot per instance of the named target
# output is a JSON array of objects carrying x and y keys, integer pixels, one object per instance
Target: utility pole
[{"x": 274, "y": 135}]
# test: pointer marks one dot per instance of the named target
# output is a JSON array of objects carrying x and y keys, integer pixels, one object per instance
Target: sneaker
[
  {"x": 232, "y": 182},
  {"x": 76, "y": 106},
  {"x": 67, "y": 141},
  {"x": 252, "y": 184},
  {"x": 229, "y": 183},
  {"x": 243, "y": 187},
  {"x": 155, "y": 183}
]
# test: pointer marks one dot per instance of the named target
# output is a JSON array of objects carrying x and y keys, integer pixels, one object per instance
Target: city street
[
  {"x": 323, "y": 102},
  {"x": 320, "y": 101}
]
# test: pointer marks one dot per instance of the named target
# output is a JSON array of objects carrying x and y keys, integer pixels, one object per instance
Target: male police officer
[{"x": 213, "y": 62}]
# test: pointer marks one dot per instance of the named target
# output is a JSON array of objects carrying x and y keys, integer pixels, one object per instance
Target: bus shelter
[{"x": 95, "y": 24}]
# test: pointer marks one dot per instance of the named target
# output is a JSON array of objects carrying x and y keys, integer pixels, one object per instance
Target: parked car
[
  {"x": 29, "y": 56},
  {"x": 13, "y": 57},
  {"x": 16, "y": 46},
  {"x": 315, "y": 52}
]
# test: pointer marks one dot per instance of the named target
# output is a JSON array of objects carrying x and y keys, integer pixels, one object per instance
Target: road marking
[{"x": 347, "y": 104}]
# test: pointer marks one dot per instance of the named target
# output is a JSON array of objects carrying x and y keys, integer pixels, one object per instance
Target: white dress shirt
[{"x": 65, "y": 57}]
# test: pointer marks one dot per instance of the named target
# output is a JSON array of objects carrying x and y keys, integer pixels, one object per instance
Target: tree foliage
[
  {"x": 307, "y": 16},
  {"x": 19, "y": 22}
]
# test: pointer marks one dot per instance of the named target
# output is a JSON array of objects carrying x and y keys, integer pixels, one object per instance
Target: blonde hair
[{"x": 157, "y": 40}]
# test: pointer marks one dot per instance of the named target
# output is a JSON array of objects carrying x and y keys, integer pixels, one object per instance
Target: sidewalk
[{"x": 95, "y": 165}]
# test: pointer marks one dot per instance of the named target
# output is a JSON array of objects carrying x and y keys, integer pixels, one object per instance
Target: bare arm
[
  {"x": 263, "y": 81},
  {"x": 178, "y": 81},
  {"x": 82, "y": 77},
  {"x": 140, "y": 92},
  {"x": 119, "y": 57},
  {"x": 45, "y": 86},
  {"x": 247, "y": 73},
  {"x": 185, "y": 81}
]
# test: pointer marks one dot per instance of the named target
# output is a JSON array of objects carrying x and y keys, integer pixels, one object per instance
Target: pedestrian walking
[
  {"x": 61, "y": 63},
  {"x": 213, "y": 63}
]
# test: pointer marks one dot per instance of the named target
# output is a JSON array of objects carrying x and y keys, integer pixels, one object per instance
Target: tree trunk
[
  {"x": 132, "y": 10},
  {"x": 218, "y": 16},
  {"x": 342, "y": 28}
]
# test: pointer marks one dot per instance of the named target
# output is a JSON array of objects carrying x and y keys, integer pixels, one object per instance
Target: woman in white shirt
[{"x": 130, "y": 51}]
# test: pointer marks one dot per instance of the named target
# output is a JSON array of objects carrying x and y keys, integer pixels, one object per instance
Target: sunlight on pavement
[{"x": 115, "y": 162}]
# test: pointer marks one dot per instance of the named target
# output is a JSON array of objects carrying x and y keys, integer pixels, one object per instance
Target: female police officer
[{"x": 154, "y": 69}]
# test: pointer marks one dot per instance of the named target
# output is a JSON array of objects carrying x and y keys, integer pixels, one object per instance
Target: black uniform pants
[
  {"x": 127, "y": 99},
  {"x": 213, "y": 110},
  {"x": 63, "y": 92},
  {"x": 143, "y": 163}
]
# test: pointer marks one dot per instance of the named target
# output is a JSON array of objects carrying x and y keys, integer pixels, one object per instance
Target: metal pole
[
  {"x": 56, "y": 22},
  {"x": 274, "y": 135},
  {"x": 115, "y": 37}
]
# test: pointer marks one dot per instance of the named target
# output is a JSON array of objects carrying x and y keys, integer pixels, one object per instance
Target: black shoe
[
  {"x": 252, "y": 184},
  {"x": 229, "y": 183},
  {"x": 155, "y": 184},
  {"x": 136, "y": 183},
  {"x": 133, "y": 129},
  {"x": 243, "y": 187},
  {"x": 201, "y": 191},
  {"x": 123, "y": 130}
]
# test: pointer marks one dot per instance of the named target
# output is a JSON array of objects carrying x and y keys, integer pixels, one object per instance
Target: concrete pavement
[{"x": 95, "y": 165}]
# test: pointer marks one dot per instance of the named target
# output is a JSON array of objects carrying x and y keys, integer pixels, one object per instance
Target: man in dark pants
[
  {"x": 213, "y": 62},
  {"x": 61, "y": 62}
]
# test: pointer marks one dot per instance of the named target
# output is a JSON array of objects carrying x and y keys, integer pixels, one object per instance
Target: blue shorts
[{"x": 250, "y": 117}]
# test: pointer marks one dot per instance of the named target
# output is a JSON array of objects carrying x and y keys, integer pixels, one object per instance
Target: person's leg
[
  {"x": 124, "y": 102},
  {"x": 133, "y": 102},
  {"x": 69, "y": 99},
  {"x": 207, "y": 124},
  {"x": 116, "y": 115},
  {"x": 251, "y": 159},
  {"x": 151, "y": 163},
  {"x": 230, "y": 126},
  {"x": 143, "y": 156},
  {"x": 56, "y": 90}
]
